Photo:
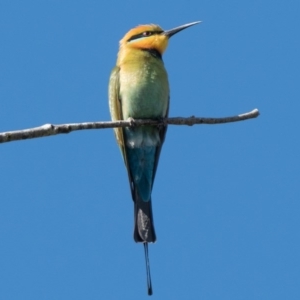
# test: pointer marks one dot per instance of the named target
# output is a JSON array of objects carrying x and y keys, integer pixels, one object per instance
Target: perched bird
[{"x": 139, "y": 89}]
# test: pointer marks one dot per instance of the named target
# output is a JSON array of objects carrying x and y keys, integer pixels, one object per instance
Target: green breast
[{"x": 144, "y": 88}]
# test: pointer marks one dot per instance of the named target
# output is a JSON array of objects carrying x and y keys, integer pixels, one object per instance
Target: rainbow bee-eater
[{"x": 139, "y": 89}]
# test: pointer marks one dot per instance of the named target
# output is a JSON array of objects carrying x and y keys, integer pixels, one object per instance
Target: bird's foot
[
  {"x": 131, "y": 122},
  {"x": 162, "y": 123}
]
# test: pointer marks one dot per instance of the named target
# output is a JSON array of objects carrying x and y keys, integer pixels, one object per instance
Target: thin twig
[{"x": 49, "y": 129}]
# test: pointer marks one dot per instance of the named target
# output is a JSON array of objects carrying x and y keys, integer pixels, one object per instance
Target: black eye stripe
[{"x": 143, "y": 34}]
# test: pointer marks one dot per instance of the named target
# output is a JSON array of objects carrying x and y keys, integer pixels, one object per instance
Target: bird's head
[{"x": 150, "y": 37}]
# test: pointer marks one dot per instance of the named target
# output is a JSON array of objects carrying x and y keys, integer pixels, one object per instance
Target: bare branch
[{"x": 49, "y": 129}]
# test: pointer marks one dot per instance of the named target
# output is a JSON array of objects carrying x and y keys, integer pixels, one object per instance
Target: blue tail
[{"x": 142, "y": 163}]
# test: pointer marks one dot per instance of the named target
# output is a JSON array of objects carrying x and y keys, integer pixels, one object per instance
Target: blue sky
[{"x": 226, "y": 197}]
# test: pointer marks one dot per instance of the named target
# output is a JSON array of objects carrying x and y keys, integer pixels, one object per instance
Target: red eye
[{"x": 147, "y": 33}]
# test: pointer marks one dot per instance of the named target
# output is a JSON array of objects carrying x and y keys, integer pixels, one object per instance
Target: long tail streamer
[{"x": 149, "y": 284}]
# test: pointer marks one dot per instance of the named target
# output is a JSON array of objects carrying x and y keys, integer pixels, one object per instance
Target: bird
[{"x": 139, "y": 89}]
